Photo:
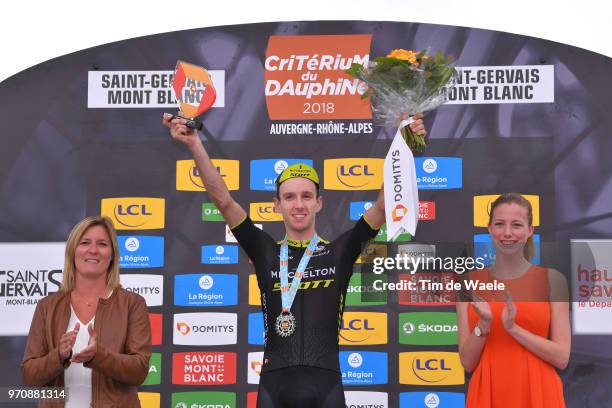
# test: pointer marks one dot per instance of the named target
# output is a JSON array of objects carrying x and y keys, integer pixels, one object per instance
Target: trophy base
[{"x": 191, "y": 123}]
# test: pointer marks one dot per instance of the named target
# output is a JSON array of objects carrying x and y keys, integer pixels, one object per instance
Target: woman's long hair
[{"x": 112, "y": 277}]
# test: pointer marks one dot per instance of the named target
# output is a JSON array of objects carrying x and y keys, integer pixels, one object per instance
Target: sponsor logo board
[
  {"x": 503, "y": 84},
  {"x": 591, "y": 282},
  {"x": 428, "y": 328},
  {"x": 433, "y": 399},
  {"x": 305, "y": 77},
  {"x": 141, "y": 89},
  {"x": 438, "y": 173},
  {"x": 264, "y": 212},
  {"x": 141, "y": 251},
  {"x": 366, "y": 399},
  {"x": 363, "y": 367},
  {"x": 188, "y": 175},
  {"x": 363, "y": 328},
  {"x": 206, "y": 290},
  {"x": 135, "y": 213},
  {"x": 353, "y": 174},
  {"x": 150, "y": 287},
  {"x": 204, "y": 368},
  {"x": 211, "y": 213},
  {"x": 154, "y": 375},
  {"x": 431, "y": 368},
  {"x": 361, "y": 291},
  {"x": 205, "y": 329},
  {"x": 28, "y": 272},
  {"x": 204, "y": 399},
  {"x": 219, "y": 254}
]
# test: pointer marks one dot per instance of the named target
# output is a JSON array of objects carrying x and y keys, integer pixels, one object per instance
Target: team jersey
[{"x": 318, "y": 303}]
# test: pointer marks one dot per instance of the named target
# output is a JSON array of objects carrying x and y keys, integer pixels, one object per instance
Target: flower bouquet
[{"x": 404, "y": 83}]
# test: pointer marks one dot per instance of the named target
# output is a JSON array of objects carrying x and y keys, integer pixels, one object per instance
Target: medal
[{"x": 285, "y": 322}]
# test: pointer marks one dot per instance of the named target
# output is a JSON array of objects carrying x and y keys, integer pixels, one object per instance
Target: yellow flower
[{"x": 405, "y": 55}]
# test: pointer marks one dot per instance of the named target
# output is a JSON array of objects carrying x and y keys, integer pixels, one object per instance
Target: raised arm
[{"x": 212, "y": 180}]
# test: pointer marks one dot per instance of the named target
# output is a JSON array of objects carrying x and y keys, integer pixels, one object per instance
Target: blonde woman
[
  {"x": 512, "y": 341},
  {"x": 92, "y": 337}
]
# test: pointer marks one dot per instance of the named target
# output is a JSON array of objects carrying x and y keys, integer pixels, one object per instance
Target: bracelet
[{"x": 67, "y": 359}]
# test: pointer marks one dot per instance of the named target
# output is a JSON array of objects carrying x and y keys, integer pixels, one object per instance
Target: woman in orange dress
[{"x": 512, "y": 349}]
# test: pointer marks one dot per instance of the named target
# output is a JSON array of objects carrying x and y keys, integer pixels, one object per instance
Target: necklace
[{"x": 88, "y": 302}]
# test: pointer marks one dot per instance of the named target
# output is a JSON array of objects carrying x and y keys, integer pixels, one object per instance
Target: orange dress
[{"x": 508, "y": 375}]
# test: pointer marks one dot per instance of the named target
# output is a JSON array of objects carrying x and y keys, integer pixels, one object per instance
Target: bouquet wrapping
[{"x": 404, "y": 83}]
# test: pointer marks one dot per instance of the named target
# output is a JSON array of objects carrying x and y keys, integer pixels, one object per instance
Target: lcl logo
[
  {"x": 132, "y": 209},
  {"x": 356, "y": 324},
  {"x": 354, "y": 170},
  {"x": 131, "y": 213}
]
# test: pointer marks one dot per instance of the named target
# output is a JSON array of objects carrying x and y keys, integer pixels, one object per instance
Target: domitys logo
[{"x": 305, "y": 77}]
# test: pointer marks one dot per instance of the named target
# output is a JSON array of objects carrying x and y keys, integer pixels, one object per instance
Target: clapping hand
[
  {"x": 509, "y": 312},
  {"x": 483, "y": 309},
  {"x": 88, "y": 352},
  {"x": 67, "y": 342}
]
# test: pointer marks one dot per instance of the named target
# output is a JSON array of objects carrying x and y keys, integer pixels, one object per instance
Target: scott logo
[{"x": 134, "y": 213}]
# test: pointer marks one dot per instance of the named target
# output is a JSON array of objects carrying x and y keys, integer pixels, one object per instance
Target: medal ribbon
[{"x": 288, "y": 292}]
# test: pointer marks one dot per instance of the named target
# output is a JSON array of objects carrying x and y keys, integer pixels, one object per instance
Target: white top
[{"x": 77, "y": 377}]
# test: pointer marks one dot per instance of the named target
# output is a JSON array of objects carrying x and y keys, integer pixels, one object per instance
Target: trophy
[{"x": 194, "y": 92}]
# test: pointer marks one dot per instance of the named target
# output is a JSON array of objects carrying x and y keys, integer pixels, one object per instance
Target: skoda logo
[
  {"x": 408, "y": 328},
  {"x": 430, "y": 165}
]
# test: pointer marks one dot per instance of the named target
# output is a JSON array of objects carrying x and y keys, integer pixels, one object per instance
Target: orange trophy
[{"x": 194, "y": 92}]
